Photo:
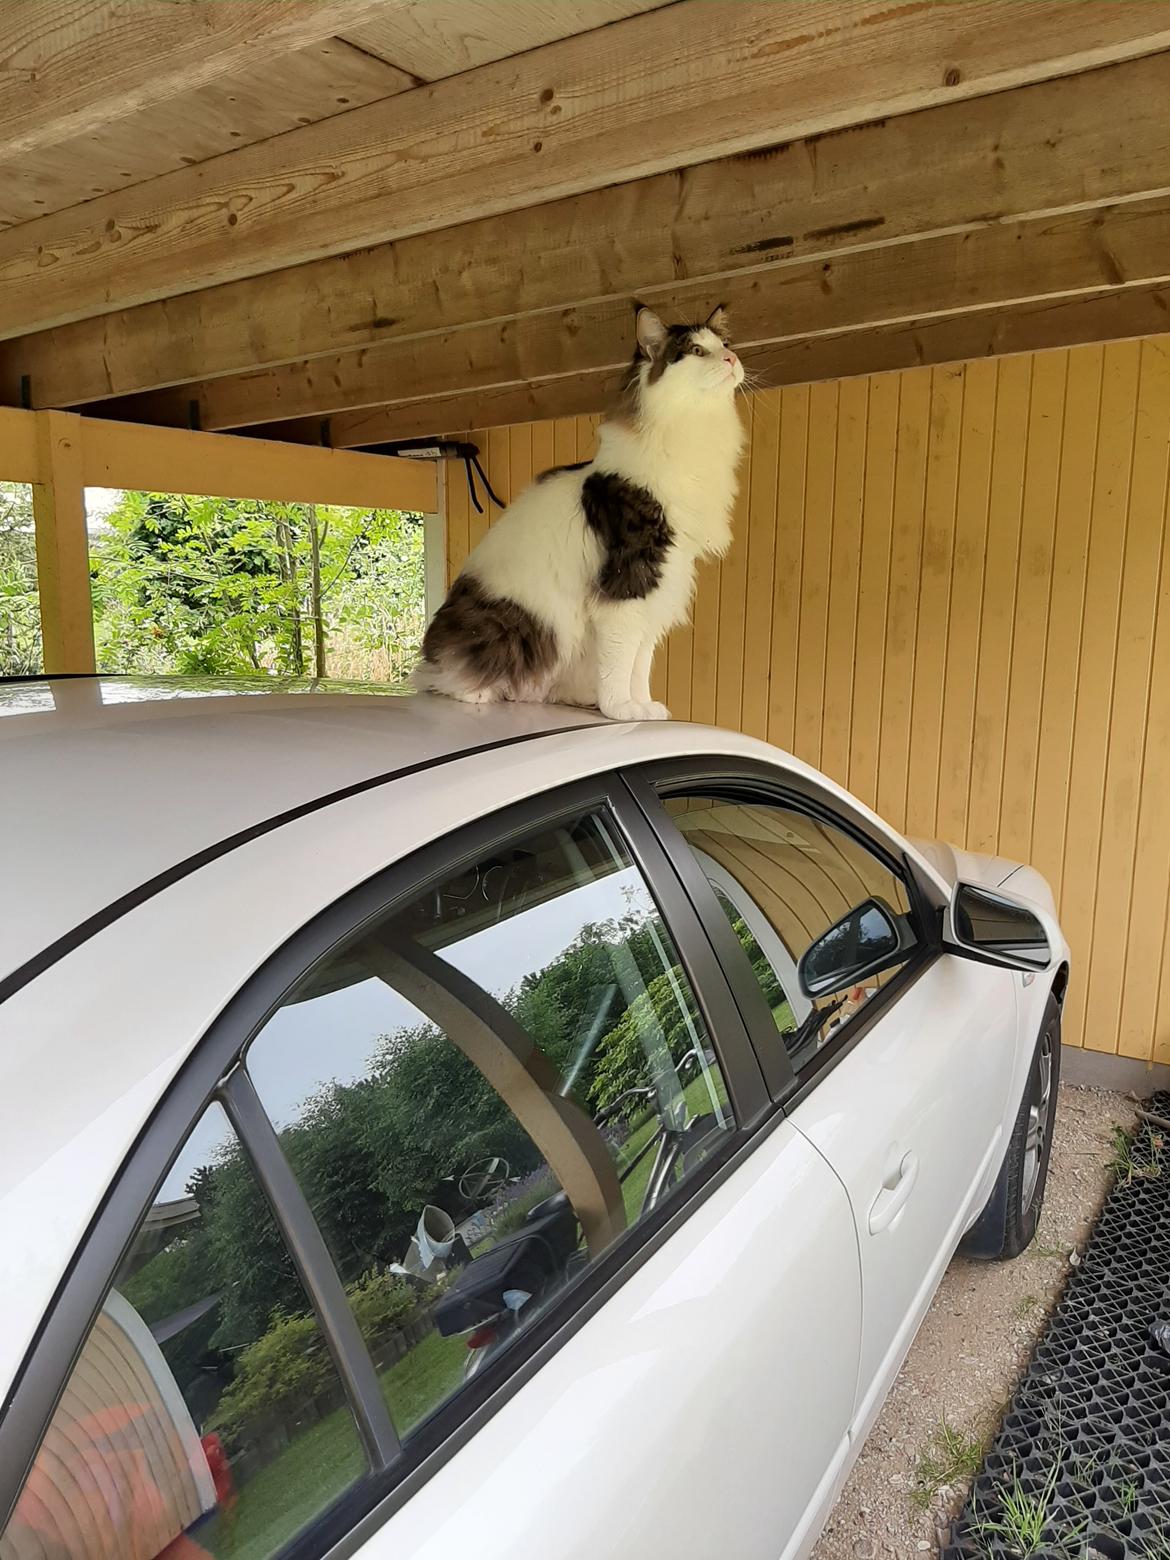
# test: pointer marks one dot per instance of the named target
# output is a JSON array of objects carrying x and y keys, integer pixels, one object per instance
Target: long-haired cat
[{"x": 567, "y": 596}]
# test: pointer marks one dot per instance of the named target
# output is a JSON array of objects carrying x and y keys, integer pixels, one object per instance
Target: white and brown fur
[{"x": 567, "y": 597}]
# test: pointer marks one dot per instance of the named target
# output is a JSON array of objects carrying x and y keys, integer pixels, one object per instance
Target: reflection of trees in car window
[
  {"x": 484, "y": 1090},
  {"x": 192, "y": 1426}
]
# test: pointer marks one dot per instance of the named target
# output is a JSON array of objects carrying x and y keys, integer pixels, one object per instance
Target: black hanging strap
[{"x": 444, "y": 449}]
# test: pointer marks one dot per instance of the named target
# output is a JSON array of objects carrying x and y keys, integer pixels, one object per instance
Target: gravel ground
[{"x": 975, "y": 1341}]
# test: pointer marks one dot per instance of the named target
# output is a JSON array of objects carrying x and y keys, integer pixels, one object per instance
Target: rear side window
[
  {"x": 204, "y": 1416},
  {"x": 483, "y": 1091},
  {"x": 799, "y": 893}
]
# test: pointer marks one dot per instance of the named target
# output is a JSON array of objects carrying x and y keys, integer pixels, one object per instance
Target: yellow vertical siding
[{"x": 949, "y": 588}]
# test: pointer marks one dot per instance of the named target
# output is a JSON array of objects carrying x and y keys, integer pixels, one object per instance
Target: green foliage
[
  {"x": 215, "y": 586},
  {"x": 653, "y": 1025},
  {"x": 20, "y": 616},
  {"x": 222, "y": 586},
  {"x": 285, "y": 1367},
  {"x": 381, "y": 1303}
]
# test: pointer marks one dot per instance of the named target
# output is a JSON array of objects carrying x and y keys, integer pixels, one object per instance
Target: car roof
[{"x": 108, "y": 784}]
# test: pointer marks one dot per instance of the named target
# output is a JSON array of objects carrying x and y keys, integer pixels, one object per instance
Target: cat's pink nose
[{"x": 730, "y": 359}]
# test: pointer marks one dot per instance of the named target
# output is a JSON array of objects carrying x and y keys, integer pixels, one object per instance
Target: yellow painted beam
[
  {"x": 62, "y": 545},
  {"x": 18, "y": 445},
  {"x": 175, "y": 460}
]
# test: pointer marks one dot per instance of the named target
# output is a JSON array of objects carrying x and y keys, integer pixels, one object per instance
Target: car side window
[
  {"x": 825, "y": 923},
  {"x": 483, "y": 1090},
  {"x": 204, "y": 1416}
]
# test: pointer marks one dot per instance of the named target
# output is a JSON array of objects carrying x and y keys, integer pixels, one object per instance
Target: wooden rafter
[
  {"x": 69, "y": 67},
  {"x": 1055, "y": 146},
  {"x": 1029, "y": 327},
  {"x": 954, "y": 272},
  {"x": 669, "y": 87}
]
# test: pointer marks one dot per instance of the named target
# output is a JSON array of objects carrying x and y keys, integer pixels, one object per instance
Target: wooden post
[{"x": 62, "y": 546}]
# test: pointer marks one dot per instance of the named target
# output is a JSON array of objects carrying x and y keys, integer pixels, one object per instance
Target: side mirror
[
  {"x": 997, "y": 929},
  {"x": 866, "y": 941}
]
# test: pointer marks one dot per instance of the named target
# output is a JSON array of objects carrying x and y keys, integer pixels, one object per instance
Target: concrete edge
[{"x": 1121, "y": 1074}]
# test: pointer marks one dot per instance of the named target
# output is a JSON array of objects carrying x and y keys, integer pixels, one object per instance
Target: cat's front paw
[{"x": 634, "y": 709}]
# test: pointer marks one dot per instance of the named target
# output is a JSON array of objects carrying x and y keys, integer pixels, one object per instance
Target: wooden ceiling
[{"x": 360, "y": 220}]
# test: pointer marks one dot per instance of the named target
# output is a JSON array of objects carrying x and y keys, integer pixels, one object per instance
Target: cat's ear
[
  {"x": 720, "y": 322},
  {"x": 651, "y": 332}
]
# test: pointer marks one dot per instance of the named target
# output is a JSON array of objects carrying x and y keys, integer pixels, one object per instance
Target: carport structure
[{"x": 242, "y": 242}]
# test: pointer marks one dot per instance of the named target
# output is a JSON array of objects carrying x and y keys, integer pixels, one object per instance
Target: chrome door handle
[{"x": 890, "y": 1201}]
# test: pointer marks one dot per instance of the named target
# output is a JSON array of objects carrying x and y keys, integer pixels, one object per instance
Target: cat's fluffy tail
[{"x": 442, "y": 677}]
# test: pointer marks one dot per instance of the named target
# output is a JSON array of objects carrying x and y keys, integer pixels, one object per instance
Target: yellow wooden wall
[{"x": 949, "y": 588}]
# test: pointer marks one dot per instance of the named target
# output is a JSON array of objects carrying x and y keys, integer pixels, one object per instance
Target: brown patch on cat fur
[{"x": 496, "y": 642}]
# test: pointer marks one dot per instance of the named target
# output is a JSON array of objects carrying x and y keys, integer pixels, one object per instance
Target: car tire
[{"x": 1008, "y": 1221}]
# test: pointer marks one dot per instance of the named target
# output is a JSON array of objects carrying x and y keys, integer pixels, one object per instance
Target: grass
[
  {"x": 423, "y": 1379},
  {"x": 1023, "y": 1520},
  {"x": 1129, "y": 1163},
  {"x": 281, "y": 1498},
  {"x": 952, "y": 1457},
  {"x": 1026, "y": 1305},
  {"x": 322, "y": 1461}
]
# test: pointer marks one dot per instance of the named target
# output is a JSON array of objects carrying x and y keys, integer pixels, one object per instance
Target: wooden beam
[
  {"x": 175, "y": 460},
  {"x": 1030, "y": 327},
  {"x": 19, "y": 458},
  {"x": 686, "y": 83},
  {"x": 1058, "y": 145},
  {"x": 62, "y": 543},
  {"x": 952, "y": 272},
  {"x": 70, "y": 67}
]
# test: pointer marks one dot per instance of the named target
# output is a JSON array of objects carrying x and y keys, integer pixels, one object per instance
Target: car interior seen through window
[
  {"x": 204, "y": 1419},
  {"x": 484, "y": 1090},
  {"x": 823, "y": 921}
]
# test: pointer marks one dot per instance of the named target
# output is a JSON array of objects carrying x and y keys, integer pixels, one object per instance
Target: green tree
[
  {"x": 212, "y": 585},
  {"x": 20, "y": 616}
]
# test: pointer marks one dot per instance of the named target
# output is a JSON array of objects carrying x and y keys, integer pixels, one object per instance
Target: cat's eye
[{"x": 697, "y": 350}]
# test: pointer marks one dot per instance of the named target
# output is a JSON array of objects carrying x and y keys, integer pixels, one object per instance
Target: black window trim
[
  {"x": 212, "y": 1073},
  {"x": 653, "y": 781}
]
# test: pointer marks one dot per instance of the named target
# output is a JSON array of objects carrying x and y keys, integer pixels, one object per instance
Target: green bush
[
  {"x": 287, "y": 1366},
  {"x": 381, "y": 1303}
]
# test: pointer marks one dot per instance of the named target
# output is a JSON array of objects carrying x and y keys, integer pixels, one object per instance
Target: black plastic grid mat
[{"x": 1080, "y": 1468}]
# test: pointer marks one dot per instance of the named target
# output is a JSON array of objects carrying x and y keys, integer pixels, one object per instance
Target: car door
[
  {"x": 901, "y": 1081},
  {"x": 686, "y": 1379}
]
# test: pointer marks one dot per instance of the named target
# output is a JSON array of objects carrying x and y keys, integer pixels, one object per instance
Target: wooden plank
[
  {"x": 762, "y": 480},
  {"x": 930, "y": 644},
  {"x": 997, "y": 619},
  {"x": 1057, "y": 145},
  {"x": 814, "y": 574},
  {"x": 786, "y": 573},
  {"x": 688, "y": 83},
  {"x": 1063, "y": 643},
  {"x": 873, "y": 585},
  {"x": 1137, "y": 624},
  {"x": 1095, "y": 685},
  {"x": 902, "y": 603},
  {"x": 444, "y": 37},
  {"x": 127, "y": 455},
  {"x": 1078, "y": 252},
  {"x": 733, "y": 597},
  {"x": 956, "y": 338},
  {"x": 19, "y": 451},
  {"x": 70, "y": 67},
  {"x": 270, "y": 97},
  {"x": 62, "y": 544},
  {"x": 968, "y": 561},
  {"x": 841, "y": 627},
  {"x": 1046, "y": 416}
]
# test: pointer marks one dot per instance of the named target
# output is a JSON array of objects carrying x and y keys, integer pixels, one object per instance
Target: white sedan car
[{"x": 438, "y": 1132}]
